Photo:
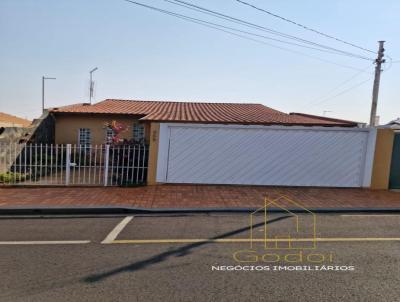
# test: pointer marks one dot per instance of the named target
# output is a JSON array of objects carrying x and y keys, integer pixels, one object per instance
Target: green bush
[{"x": 10, "y": 177}]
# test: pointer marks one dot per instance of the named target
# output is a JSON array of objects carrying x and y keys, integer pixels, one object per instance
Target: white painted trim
[
  {"x": 275, "y": 127},
  {"x": 163, "y": 148},
  {"x": 369, "y": 158},
  {"x": 118, "y": 229}
]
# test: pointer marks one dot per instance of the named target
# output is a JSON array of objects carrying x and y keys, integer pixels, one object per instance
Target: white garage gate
[{"x": 265, "y": 155}]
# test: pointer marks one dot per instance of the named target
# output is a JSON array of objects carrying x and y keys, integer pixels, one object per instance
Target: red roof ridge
[
  {"x": 324, "y": 118},
  {"x": 179, "y": 102}
]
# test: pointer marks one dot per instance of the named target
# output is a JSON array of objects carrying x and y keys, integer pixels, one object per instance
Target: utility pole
[
  {"x": 91, "y": 85},
  {"x": 43, "y": 80},
  {"x": 375, "y": 91}
]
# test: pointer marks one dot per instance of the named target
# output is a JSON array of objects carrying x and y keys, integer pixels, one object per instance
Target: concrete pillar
[{"x": 153, "y": 153}]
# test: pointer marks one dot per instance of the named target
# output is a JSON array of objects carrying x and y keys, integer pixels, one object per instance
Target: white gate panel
[{"x": 261, "y": 155}]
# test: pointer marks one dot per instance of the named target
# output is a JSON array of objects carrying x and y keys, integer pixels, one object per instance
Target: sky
[{"x": 146, "y": 55}]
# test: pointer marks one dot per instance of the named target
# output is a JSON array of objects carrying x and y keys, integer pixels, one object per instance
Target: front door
[{"x": 394, "y": 180}]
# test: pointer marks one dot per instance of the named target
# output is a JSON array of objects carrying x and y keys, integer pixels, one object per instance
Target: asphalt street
[{"x": 201, "y": 257}]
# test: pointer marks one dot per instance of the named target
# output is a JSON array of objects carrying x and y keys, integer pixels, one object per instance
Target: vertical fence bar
[
  {"x": 100, "y": 163},
  {"x": 30, "y": 164},
  {"x": 90, "y": 162},
  {"x": 36, "y": 163},
  {"x": 9, "y": 165},
  {"x": 62, "y": 163},
  {"x": 133, "y": 163},
  {"x": 41, "y": 163},
  {"x": 112, "y": 164},
  {"x": 84, "y": 162},
  {"x": 25, "y": 155},
  {"x": 138, "y": 164},
  {"x": 95, "y": 165},
  {"x": 106, "y": 158},
  {"x": 144, "y": 162},
  {"x": 67, "y": 164},
  {"x": 14, "y": 163},
  {"x": 51, "y": 163},
  {"x": 118, "y": 164},
  {"x": 79, "y": 164},
  {"x": 122, "y": 165},
  {"x": 74, "y": 167},
  {"x": 56, "y": 149},
  {"x": 45, "y": 163},
  {"x": 20, "y": 163},
  {"x": 127, "y": 164}
]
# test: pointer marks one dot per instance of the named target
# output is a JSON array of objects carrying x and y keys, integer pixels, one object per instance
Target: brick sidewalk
[{"x": 195, "y": 196}]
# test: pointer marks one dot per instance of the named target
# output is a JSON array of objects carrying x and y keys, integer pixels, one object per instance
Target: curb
[{"x": 132, "y": 210}]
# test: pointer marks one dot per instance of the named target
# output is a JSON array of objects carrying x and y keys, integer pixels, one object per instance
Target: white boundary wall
[{"x": 265, "y": 155}]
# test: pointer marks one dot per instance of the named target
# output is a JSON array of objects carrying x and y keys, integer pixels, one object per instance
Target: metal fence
[{"x": 91, "y": 165}]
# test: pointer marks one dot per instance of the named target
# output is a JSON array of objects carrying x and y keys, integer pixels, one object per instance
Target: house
[
  {"x": 8, "y": 120},
  {"x": 226, "y": 143},
  {"x": 85, "y": 123},
  {"x": 395, "y": 125},
  {"x": 204, "y": 143}
]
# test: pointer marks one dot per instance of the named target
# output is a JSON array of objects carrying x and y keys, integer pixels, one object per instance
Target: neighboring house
[
  {"x": 15, "y": 131},
  {"x": 395, "y": 125},
  {"x": 8, "y": 120},
  {"x": 85, "y": 123}
]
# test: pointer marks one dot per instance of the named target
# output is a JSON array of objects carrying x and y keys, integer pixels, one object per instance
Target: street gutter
[{"x": 20, "y": 211}]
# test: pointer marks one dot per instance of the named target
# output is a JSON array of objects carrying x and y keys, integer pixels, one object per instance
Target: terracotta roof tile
[
  {"x": 13, "y": 120},
  {"x": 227, "y": 113}
]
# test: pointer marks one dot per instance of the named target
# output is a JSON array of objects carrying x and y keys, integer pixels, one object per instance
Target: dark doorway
[{"x": 394, "y": 180}]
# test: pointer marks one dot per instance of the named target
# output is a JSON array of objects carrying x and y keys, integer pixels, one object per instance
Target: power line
[
  {"x": 303, "y": 26},
  {"x": 385, "y": 69},
  {"x": 327, "y": 95},
  {"x": 247, "y": 32},
  {"x": 342, "y": 92},
  {"x": 259, "y": 27},
  {"x": 207, "y": 24}
]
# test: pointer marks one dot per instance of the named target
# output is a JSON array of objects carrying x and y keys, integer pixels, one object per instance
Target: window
[
  {"x": 138, "y": 132},
  {"x": 85, "y": 137},
  {"x": 109, "y": 135}
]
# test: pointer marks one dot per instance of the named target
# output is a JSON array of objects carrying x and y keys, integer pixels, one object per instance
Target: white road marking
[
  {"x": 370, "y": 215},
  {"x": 118, "y": 229},
  {"x": 41, "y": 242}
]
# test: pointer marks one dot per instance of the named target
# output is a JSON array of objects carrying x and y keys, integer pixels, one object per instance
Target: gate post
[
  {"x": 67, "y": 164},
  {"x": 106, "y": 159}
]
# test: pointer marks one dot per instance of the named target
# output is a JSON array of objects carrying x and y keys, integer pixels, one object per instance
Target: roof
[
  {"x": 395, "y": 124},
  {"x": 13, "y": 121},
  {"x": 225, "y": 113},
  {"x": 325, "y": 119}
]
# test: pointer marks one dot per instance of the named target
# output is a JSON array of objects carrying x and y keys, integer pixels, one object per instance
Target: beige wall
[
  {"x": 67, "y": 127},
  {"x": 382, "y": 159}
]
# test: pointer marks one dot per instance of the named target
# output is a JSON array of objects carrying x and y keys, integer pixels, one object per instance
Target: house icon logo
[{"x": 295, "y": 231}]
